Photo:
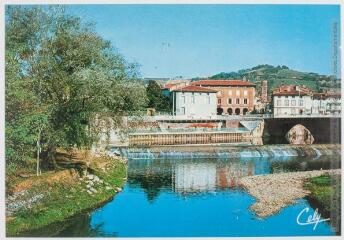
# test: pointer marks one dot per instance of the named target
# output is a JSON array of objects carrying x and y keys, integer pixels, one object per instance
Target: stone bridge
[{"x": 324, "y": 130}]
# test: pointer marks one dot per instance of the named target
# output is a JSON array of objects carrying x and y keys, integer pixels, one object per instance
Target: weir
[
  {"x": 229, "y": 152},
  {"x": 200, "y": 133}
]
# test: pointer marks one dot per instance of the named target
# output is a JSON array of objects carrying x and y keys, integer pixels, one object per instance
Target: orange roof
[
  {"x": 168, "y": 86},
  {"x": 194, "y": 89},
  {"x": 222, "y": 83},
  {"x": 291, "y": 90}
]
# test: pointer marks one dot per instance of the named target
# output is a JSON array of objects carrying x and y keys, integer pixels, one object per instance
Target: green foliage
[
  {"x": 155, "y": 97},
  {"x": 62, "y": 201},
  {"x": 62, "y": 79},
  {"x": 325, "y": 189},
  {"x": 280, "y": 75}
]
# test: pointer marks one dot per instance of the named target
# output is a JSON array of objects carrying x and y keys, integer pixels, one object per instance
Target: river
[{"x": 194, "y": 197}]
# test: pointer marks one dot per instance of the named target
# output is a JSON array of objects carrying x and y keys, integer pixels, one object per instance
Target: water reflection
[
  {"x": 186, "y": 176},
  {"x": 194, "y": 198}
]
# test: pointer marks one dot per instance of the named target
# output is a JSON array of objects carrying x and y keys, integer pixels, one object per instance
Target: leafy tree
[
  {"x": 62, "y": 81},
  {"x": 155, "y": 97}
]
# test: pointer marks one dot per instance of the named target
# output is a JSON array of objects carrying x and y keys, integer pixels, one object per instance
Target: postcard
[{"x": 172, "y": 120}]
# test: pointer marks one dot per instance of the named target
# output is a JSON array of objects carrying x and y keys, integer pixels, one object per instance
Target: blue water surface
[{"x": 196, "y": 198}]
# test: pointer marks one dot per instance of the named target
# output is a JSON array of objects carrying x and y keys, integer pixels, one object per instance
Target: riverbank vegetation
[
  {"x": 65, "y": 86},
  {"x": 326, "y": 190},
  {"x": 36, "y": 202},
  {"x": 325, "y": 194}
]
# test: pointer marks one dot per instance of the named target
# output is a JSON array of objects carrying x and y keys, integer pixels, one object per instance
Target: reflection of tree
[
  {"x": 151, "y": 183},
  {"x": 77, "y": 226}
]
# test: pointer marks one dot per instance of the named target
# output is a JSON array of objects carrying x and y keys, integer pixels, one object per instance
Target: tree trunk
[{"x": 38, "y": 170}]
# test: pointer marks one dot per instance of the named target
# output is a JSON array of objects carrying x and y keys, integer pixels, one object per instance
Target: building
[
  {"x": 194, "y": 101},
  {"x": 233, "y": 96},
  {"x": 328, "y": 103},
  {"x": 291, "y": 100},
  {"x": 173, "y": 85},
  {"x": 298, "y": 100}
]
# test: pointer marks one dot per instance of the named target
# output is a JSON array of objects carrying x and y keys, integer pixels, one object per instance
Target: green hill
[{"x": 281, "y": 75}]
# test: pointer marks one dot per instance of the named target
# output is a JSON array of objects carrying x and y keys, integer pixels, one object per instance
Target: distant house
[
  {"x": 194, "y": 101},
  {"x": 291, "y": 100},
  {"x": 295, "y": 100},
  {"x": 172, "y": 85},
  {"x": 234, "y": 97},
  {"x": 326, "y": 103}
]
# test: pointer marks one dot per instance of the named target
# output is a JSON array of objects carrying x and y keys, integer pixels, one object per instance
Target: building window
[
  {"x": 229, "y": 101},
  {"x": 278, "y": 111},
  {"x": 182, "y": 110},
  {"x": 293, "y": 111},
  {"x": 300, "y": 102},
  {"x": 293, "y": 102},
  {"x": 183, "y": 99},
  {"x": 245, "y": 101},
  {"x": 237, "y": 101},
  {"x": 279, "y": 102},
  {"x": 286, "y": 102},
  {"x": 229, "y": 92},
  {"x": 193, "y": 98},
  {"x": 245, "y": 92},
  {"x": 238, "y": 92},
  {"x": 219, "y": 101}
]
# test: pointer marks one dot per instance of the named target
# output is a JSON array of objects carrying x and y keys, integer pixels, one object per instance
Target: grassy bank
[
  {"x": 325, "y": 189},
  {"x": 325, "y": 194},
  {"x": 63, "y": 194}
]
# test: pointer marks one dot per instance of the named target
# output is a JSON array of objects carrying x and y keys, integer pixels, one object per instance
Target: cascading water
[{"x": 276, "y": 151}]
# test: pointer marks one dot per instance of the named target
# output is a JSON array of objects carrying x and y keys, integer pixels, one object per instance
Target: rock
[
  {"x": 299, "y": 135},
  {"x": 93, "y": 190},
  {"x": 89, "y": 192},
  {"x": 276, "y": 191},
  {"x": 101, "y": 181},
  {"x": 96, "y": 179},
  {"x": 90, "y": 177},
  {"x": 108, "y": 188},
  {"x": 118, "y": 189}
]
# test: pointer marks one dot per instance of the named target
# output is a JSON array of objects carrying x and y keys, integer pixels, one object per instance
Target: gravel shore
[{"x": 276, "y": 191}]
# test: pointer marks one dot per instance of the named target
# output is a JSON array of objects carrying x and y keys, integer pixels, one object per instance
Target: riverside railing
[{"x": 191, "y": 130}]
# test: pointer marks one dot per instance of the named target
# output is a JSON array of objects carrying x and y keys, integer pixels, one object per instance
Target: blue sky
[{"x": 202, "y": 40}]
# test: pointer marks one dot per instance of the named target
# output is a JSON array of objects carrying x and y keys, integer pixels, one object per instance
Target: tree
[
  {"x": 156, "y": 99},
  {"x": 60, "y": 77}
]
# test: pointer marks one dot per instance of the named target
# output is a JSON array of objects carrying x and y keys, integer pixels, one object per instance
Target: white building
[
  {"x": 326, "y": 103},
  {"x": 194, "y": 101},
  {"x": 291, "y": 101}
]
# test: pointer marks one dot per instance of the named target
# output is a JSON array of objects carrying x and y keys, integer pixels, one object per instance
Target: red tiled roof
[
  {"x": 222, "y": 83},
  {"x": 291, "y": 90},
  {"x": 168, "y": 86},
  {"x": 333, "y": 94},
  {"x": 194, "y": 89}
]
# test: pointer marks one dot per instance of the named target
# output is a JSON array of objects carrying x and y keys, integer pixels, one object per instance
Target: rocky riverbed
[{"x": 276, "y": 191}]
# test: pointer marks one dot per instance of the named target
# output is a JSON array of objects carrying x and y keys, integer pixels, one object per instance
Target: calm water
[{"x": 194, "y": 197}]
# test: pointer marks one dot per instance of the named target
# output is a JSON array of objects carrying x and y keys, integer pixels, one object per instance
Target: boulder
[{"x": 298, "y": 135}]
